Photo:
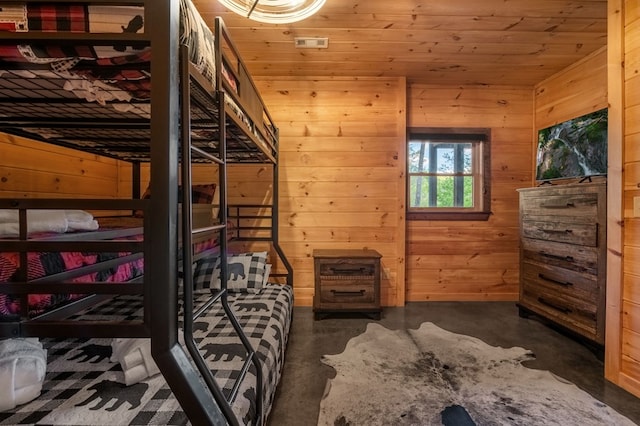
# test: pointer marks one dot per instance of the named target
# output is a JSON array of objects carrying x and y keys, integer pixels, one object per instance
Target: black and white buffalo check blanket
[{"x": 83, "y": 387}]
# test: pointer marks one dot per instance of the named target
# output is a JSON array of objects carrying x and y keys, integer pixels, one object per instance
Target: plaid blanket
[
  {"x": 49, "y": 263},
  {"x": 124, "y": 65},
  {"x": 83, "y": 387}
]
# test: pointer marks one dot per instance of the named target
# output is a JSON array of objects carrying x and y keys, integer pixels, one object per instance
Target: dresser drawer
[
  {"x": 564, "y": 282},
  {"x": 577, "y": 207},
  {"x": 583, "y": 234},
  {"x": 575, "y": 314},
  {"x": 567, "y": 256}
]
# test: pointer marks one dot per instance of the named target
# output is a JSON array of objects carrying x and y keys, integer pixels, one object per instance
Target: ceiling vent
[{"x": 311, "y": 42}]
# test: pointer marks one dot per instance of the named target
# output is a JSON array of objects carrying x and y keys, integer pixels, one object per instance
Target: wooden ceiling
[{"x": 486, "y": 42}]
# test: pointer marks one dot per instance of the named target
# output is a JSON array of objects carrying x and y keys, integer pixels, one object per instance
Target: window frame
[{"x": 481, "y": 142}]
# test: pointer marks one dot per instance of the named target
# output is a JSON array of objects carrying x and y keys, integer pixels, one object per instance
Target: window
[{"x": 448, "y": 174}]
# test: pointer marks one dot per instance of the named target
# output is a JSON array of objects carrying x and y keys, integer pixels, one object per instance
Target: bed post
[
  {"x": 275, "y": 209},
  {"x": 135, "y": 180},
  {"x": 161, "y": 281}
]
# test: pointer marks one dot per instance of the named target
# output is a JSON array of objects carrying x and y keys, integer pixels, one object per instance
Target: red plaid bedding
[
  {"x": 71, "y": 17},
  {"x": 49, "y": 263},
  {"x": 124, "y": 65},
  {"x": 58, "y": 17}
]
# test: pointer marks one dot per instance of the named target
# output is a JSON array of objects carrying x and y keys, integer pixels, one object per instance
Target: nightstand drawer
[
  {"x": 344, "y": 291},
  {"x": 346, "y": 268}
]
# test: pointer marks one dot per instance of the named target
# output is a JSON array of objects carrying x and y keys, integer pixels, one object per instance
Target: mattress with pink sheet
[
  {"x": 46, "y": 264},
  {"x": 49, "y": 263}
]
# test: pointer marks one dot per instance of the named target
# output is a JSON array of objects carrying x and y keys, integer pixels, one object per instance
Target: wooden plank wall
[
  {"x": 630, "y": 323},
  {"x": 342, "y": 172},
  {"x": 30, "y": 169},
  {"x": 202, "y": 174},
  {"x": 575, "y": 91},
  {"x": 473, "y": 260}
]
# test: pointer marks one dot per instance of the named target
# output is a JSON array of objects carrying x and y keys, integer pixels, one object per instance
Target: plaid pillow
[
  {"x": 200, "y": 194},
  {"x": 203, "y": 270},
  {"x": 246, "y": 272}
]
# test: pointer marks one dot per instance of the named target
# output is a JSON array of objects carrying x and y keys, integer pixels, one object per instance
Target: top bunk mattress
[{"x": 93, "y": 80}]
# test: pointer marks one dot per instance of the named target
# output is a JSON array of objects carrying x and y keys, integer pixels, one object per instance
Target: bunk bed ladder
[{"x": 188, "y": 232}]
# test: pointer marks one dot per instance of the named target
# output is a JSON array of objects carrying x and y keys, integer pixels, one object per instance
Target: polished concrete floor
[{"x": 497, "y": 323}]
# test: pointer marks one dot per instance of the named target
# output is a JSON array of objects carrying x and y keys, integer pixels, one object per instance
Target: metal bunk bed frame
[{"x": 188, "y": 377}]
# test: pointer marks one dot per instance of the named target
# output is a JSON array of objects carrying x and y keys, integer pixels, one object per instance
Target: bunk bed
[{"x": 78, "y": 74}]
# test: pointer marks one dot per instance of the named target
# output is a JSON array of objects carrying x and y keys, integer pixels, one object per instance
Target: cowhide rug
[{"x": 430, "y": 376}]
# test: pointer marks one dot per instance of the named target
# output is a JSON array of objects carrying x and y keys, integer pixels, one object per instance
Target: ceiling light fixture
[{"x": 274, "y": 11}]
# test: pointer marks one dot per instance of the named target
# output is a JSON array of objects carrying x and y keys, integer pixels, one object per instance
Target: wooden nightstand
[{"x": 347, "y": 281}]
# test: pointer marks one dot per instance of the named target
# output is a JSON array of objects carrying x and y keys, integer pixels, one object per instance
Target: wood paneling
[
  {"x": 341, "y": 175},
  {"x": 202, "y": 174},
  {"x": 30, "y": 169},
  {"x": 470, "y": 260},
  {"x": 577, "y": 90},
  {"x": 519, "y": 42},
  {"x": 626, "y": 368}
]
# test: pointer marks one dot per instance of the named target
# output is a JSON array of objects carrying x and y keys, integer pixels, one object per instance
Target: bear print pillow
[{"x": 245, "y": 272}]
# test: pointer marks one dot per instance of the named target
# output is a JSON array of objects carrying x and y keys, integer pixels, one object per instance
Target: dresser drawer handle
[
  {"x": 553, "y": 256},
  {"x": 556, "y": 231},
  {"x": 558, "y": 206},
  {"x": 562, "y": 283},
  {"x": 562, "y": 309}
]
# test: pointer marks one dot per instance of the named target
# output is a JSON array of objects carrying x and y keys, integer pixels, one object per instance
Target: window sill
[{"x": 478, "y": 216}]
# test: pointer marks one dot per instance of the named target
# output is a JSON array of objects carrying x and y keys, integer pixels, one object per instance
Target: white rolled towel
[
  {"x": 23, "y": 364},
  {"x": 134, "y": 356}
]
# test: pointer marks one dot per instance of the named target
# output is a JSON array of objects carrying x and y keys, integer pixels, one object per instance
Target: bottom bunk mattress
[{"x": 84, "y": 385}]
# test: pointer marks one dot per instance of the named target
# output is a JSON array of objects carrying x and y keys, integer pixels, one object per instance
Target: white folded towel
[
  {"x": 134, "y": 356},
  {"x": 80, "y": 220},
  {"x": 58, "y": 221},
  {"x": 23, "y": 364}
]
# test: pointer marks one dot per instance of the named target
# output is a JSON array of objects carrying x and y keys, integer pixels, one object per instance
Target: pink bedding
[
  {"x": 49, "y": 263},
  {"x": 44, "y": 264}
]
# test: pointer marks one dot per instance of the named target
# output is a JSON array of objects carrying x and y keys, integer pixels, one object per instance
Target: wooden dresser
[
  {"x": 347, "y": 281},
  {"x": 563, "y": 256}
]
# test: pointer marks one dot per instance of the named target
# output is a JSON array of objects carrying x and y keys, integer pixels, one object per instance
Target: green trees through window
[
  {"x": 441, "y": 174},
  {"x": 448, "y": 172}
]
